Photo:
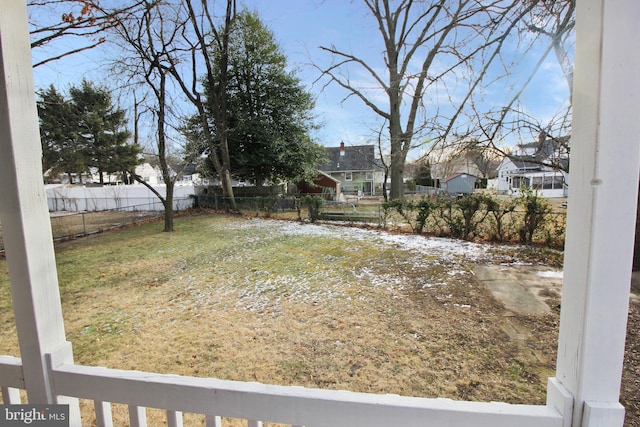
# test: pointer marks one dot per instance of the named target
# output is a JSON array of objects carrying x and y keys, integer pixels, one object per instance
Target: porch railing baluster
[
  {"x": 174, "y": 419},
  {"x": 137, "y": 416},
  {"x": 103, "y": 414},
  {"x": 213, "y": 421},
  {"x": 10, "y": 396}
]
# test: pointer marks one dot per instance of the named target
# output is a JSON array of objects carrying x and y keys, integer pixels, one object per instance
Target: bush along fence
[
  {"x": 265, "y": 204},
  {"x": 527, "y": 219}
]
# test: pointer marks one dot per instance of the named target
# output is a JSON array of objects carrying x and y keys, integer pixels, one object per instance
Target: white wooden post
[
  {"x": 605, "y": 164},
  {"x": 10, "y": 396},
  {"x": 23, "y": 212}
]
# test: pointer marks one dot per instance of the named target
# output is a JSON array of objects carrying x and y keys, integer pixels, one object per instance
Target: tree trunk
[
  {"x": 168, "y": 208},
  {"x": 227, "y": 189},
  {"x": 162, "y": 157},
  {"x": 221, "y": 117},
  {"x": 397, "y": 176},
  {"x": 396, "y": 168}
]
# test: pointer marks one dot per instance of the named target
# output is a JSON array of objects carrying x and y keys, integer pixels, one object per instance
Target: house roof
[
  {"x": 530, "y": 163},
  {"x": 544, "y": 148},
  {"x": 353, "y": 158},
  {"x": 325, "y": 175},
  {"x": 455, "y": 175},
  {"x": 525, "y": 162},
  {"x": 548, "y": 153}
]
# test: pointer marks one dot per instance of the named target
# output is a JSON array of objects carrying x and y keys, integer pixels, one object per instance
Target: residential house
[
  {"x": 357, "y": 167},
  {"x": 541, "y": 166},
  {"x": 152, "y": 175},
  {"x": 446, "y": 162}
]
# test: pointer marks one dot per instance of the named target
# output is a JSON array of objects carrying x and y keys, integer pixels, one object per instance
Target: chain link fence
[{"x": 68, "y": 225}]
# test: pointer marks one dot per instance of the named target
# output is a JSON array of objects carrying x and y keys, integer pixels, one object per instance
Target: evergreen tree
[
  {"x": 61, "y": 152},
  {"x": 101, "y": 130},
  {"x": 423, "y": 174},
  {"x": 84, "y": 132},
  {"x": 268, "y": 108}
]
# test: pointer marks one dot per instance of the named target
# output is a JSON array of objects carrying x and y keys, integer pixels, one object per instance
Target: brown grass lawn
[{"x": 299, "y": 304}]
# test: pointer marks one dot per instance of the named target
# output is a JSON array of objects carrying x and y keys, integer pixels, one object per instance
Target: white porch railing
[
  {"x": 12, "y": 379},
  {"x": 295, "y": 406}
]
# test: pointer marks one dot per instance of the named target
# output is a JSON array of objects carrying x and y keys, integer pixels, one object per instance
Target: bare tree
[
  {"x": 172, "y": 43},
  {"x": 556, "y": 20},
  {"x": 552, "y": 25},
  {"x": 149, "y": 38},
  {"x": 84, "y": 21},
  {"x": 442, "y": 36},
  {"x": 206, "y": 33}
]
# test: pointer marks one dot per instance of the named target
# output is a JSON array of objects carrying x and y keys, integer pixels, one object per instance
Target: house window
[
  {"x": 536, "y": 182},
  {"x": 369, "y": 176},
  {"x": 558, "y": 181},
  {"x": 551, "y": 182},
  {"x": 348, "y": 176},
  {"x": 520, "y": 182}
]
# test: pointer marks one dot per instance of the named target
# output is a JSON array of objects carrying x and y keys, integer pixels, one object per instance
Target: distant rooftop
[{"x": 351, "y": 158}]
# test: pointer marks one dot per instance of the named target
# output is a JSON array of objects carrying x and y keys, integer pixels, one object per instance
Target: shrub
[
  {"x": 423, "y": 209},
  {"x": 463, "y": 216},
  {"x": 450, "y": 216},
  {"x": 499, "y": 214},
  {"x": 474, "y": 212},
  {"x": 265, "y": 203},
  {"x": 314, "y": 206},
  {"x": 536, "y": 213},
  {"x": 414, "y": 213}
]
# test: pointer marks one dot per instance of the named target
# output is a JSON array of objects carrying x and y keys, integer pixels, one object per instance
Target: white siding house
[
  {"x": 514, "y": 174},
  {"x": 152, "y": 175},
  {"x": 540, "y": 166}
]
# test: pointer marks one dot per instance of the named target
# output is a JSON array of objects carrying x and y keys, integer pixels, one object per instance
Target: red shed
[{"x": 323, "y": 185}]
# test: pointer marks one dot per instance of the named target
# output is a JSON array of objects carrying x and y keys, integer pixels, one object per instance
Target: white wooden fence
[{"x": 115, "y": 197}]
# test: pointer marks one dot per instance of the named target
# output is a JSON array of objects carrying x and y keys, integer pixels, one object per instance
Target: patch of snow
[
  {"x": 551, "y": 274},
  {"x": 431, "y": 263},
  {"x": 442, "y": 247}
]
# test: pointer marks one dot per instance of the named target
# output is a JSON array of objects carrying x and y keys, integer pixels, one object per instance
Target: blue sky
[{"x": 300, "y": 27}]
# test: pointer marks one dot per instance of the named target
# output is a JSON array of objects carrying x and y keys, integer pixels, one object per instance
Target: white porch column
[
  {"x": 23, "y": 212},
  {"x": 605, "y": 160}
]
